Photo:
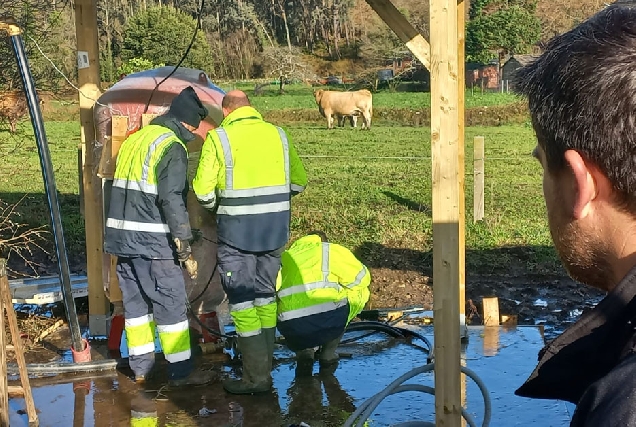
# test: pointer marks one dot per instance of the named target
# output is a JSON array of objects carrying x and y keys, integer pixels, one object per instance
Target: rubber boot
[
  {"x": 305, "y": 362},
  {"x": 328, "y": 355},
  {"x": 196, "y": 377},
  {"x": 256, "y": 369},
  {"x": 270, "y": 340}
]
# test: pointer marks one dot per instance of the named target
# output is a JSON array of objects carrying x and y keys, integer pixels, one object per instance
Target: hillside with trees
[{"x": 252, "y": 39}]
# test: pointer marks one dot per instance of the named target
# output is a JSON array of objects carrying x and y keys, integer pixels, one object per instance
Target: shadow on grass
[
  {"x": 524, "y": 261},
  {"x": 410, "y": 204}
]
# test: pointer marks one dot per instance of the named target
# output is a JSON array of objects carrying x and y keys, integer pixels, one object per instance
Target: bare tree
[
  {"x": 285, "y": 64},
  {"x": 18, "y": 238}
]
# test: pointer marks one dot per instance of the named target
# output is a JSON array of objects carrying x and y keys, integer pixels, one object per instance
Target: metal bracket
[{"x": 10, "y": 26}]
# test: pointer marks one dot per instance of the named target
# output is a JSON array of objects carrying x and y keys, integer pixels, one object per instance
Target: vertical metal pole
[{"x": 49, "y": 189}]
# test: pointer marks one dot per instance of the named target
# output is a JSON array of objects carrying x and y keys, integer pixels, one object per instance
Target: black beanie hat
[{"x": 188, "y": 108}]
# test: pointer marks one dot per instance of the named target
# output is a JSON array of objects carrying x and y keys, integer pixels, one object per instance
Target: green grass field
[
  {"x": 361, "y": 199},
  {"x": 299, "y": 96}
]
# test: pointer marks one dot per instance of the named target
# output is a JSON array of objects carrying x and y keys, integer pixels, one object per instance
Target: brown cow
[
  {"x": 341, "y": 104},
  {"x": 13, "y": 107}
]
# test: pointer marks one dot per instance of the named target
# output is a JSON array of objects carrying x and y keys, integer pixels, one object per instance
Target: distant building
[
  {"x": 482, "y": 76},
  {"x": 513, "y": 64}
]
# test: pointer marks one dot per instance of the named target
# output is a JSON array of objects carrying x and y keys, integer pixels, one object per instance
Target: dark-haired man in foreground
[{"x": 582, "y": 99}]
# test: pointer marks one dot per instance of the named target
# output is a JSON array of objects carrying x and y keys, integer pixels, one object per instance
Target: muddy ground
[{"x": 404, "y": 281}]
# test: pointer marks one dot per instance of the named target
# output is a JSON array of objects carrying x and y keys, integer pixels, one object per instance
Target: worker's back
[
  {"x": 246, "y": 168},
  {"x": 325, "y": 272}
]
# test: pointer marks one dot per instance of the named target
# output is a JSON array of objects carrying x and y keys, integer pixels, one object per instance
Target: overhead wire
[{"x": 183, "y": 57}]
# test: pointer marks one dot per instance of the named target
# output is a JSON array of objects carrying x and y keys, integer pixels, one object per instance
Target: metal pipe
[{"x": 49, "y": 189}]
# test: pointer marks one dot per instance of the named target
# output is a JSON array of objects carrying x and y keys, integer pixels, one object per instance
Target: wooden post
[
  {"x": 6, "y": 303},
  {"x": 414, "y": 41},
  {"x": 461, "y": 92},
  {"x": 446, "y": 210},
  {"x": 88, "y": 79},
  {"x": 4, "y": 386},
  {"x": 491, "y": 311},
  {"x": 461, "y": 178},
  {"x": 478, "y": 178}
]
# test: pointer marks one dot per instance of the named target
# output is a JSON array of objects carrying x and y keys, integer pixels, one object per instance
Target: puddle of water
[{"x": 502, "y": 358}]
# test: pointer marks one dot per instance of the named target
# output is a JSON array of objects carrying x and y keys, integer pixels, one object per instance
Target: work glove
[
  {"x": 184, "y": 255},
  {"x": 183, "y": 249}
]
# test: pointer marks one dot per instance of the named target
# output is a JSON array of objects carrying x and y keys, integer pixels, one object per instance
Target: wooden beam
[
  {"x": 461, "y": 92},
  {"x": 4, "y": 386},
  {"x": 88, "y": 79},
  {"x": 414, "y": 41},
  {"x": 461, "y": 178},
  {"x": 446, "y": 210}
]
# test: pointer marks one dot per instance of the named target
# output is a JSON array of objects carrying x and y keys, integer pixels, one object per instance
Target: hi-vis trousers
[
  {"x": 249, "y": 280},
  {"x": 154, "y": 296}
]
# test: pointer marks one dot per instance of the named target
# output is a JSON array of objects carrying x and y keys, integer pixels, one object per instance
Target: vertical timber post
[
  {"x": 446, "y": 210},
  {"x": 478, "y": 178},
  {"x": 88, "y": 79},
  {"x": 461, "y": 92}
]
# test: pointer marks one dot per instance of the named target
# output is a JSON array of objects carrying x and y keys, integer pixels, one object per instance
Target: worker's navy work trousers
[
  {"x": 154, "y": 294},
  {"x": 249, "y": 280}
]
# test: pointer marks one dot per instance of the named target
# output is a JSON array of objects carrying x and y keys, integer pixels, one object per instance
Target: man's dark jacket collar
[
  {"x": 169, "y": 121},
  {"x": 587, "y": 350}
]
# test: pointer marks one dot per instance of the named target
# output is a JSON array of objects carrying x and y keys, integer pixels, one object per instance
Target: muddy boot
[
  {"x": 256, "y": 369},
  {"x": 182, "y": 374},
  {"x": 328, "y": 355},
  {"x": 270, "y": 340},
  {"x": 305, "y": 362}
]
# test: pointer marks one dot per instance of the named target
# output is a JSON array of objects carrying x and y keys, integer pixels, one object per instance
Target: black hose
[
  {"x": 195, "y": 317},
  {"x": 207, "y": 285},
  {"x": 390, "y": 330},
  {"x": 378, "y": 326},
  {"x": 50, "y": 191}
]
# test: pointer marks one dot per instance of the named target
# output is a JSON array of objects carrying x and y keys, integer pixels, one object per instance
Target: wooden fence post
[{"x": 478, "y": 178}]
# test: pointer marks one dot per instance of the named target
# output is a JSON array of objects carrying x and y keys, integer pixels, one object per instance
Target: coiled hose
[
  {"x": 366, "y": 409},
  {"x": 389, "y": 330}
]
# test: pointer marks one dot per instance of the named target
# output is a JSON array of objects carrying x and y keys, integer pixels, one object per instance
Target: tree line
[{"x": 245, "y": 39}]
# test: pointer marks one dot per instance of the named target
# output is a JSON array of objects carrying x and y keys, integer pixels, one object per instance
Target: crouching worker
[
  {"x": 323, "y": 286},
  {"x": 148, "y": 228}
]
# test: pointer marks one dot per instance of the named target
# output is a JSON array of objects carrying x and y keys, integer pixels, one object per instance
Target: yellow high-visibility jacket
[
  {"x": 248, "y": 171},
  {"x": 317, "y": 280}
]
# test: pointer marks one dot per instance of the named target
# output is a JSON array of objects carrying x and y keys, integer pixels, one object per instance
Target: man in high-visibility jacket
[
  {"x": 148, "y": 229},
  {"x": 248, "y": 171},
  {"x": 322, "y": 287}
]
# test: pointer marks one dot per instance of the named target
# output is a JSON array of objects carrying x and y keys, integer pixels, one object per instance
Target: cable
[
  {"x": 367, "y": 408},
  {"x": 207, "y": 285},
  {"x": 196, "y": 318},
  {"x": 390, "y": 330},
  {"x": 194, "y": 36}
]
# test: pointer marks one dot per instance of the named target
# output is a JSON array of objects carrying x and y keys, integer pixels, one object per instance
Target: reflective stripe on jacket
[
  {"x": 318, "y": 277},
  {"x": 137, "y": 222},
  {"x": 248, "y": 171}
]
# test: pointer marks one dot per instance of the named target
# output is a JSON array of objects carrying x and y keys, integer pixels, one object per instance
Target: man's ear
[{"x": 584, "y": 183}]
